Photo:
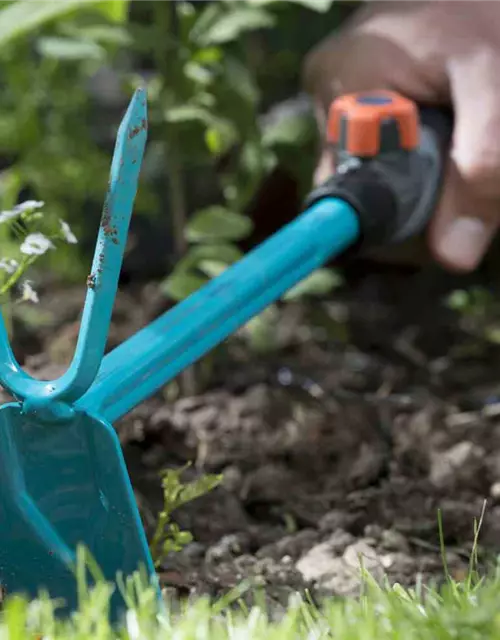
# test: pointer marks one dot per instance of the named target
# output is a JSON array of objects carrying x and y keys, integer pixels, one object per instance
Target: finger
[
  {"x": 331, "y": 74},
  {"x": 469, "y": 213},
  {"x": 458, "y": 237},
  {"x": 366, "y": 56},
  {"x": 350, "y": 63},
  {"x": 380, "y": 48},
  {"x": 475, "y": 86},
  {"x": 325, "y": 168}
]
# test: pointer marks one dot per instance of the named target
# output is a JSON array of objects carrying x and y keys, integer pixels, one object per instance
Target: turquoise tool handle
[
  {"x": 157, "y": 353},
  {"x": 377, "y": 198}
]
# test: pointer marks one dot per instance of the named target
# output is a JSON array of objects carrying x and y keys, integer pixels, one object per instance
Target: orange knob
[{"x": 368, "y": 123}]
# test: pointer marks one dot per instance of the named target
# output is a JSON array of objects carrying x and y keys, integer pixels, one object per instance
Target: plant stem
[
  {"x": 177, "y": 199},
  {"x": 168, "y": 64}
]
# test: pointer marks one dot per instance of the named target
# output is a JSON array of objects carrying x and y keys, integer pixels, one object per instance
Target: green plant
[
  {"x": 168, "y": 537},
  {"x": 216, "y": 99},
  {"x": 466, "y": 610},
  {"x": 48, "y": 53},
  {"x": 263, "y": 333},
  {"x": 205, "y": 112},
  {"x": 30, "y": 236},
  {"x": 479, "y": 312}
]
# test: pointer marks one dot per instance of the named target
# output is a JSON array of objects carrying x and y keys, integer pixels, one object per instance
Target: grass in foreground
[
  {"x": 456, "y": 611},
  {"x": 467, "y": 610}
]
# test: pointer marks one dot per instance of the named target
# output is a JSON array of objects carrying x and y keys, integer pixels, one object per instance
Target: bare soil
[{"x": 377, "y": 411}]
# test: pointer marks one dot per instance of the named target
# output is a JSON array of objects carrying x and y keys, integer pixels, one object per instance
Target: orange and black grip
[
  {"x": 367, "y": 124},
  {"x": 389, "y": 162}
]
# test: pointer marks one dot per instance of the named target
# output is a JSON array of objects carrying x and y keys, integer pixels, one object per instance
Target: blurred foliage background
[
  {"x": 232, "y": 138},
  {"x": 223, "y": 80}
]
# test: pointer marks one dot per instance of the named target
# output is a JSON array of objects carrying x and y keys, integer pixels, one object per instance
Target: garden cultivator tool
[{"x": 63, "y": 480}]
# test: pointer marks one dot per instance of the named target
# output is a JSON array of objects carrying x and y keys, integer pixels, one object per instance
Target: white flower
[
  {"x": 28, "y": 293},
  {"x": 36, "y": 244},
  {"x": 69, "y": 236},
  {"x": 9, "y": 265},
  {"x": 8, "y": 215},
  {"x": 29, "y": 205}
]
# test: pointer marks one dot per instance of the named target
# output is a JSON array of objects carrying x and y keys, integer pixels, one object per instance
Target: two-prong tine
[{"x": 102, "y": 283}]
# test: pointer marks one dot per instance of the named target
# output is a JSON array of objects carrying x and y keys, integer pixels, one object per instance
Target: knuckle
[
  {"x": 482, "y": 174},
  {"x": 319, "y": 61}
]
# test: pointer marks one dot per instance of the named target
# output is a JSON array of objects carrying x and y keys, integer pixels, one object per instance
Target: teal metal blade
[
  {"x": 63, "y": 479},
  {"x": 62, "y": 485}
]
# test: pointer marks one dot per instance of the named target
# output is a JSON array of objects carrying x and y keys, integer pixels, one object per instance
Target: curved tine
[{"x": 103, "y": 280}]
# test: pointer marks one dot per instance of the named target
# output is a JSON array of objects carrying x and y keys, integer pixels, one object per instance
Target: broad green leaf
[
  {"x": 321, "y": 6},
  {"x": 26, "y": 16},
  {"x": 319, "y": 283},
  {"x": 241, "y": 81},
  {"x": 69, "y": 49},
  {"x": 198, "y": 73},
  {"x": 106, "y": 34},
  {"x": 231, "y": 24},
  {"x": 333, "y": 323},
  {"x": 212, "y": 268},
  {"x": 266, "y": 3},
  {"x": 288, "y": 130},
  {"x": 11, "y": 182},
  {"x": 223, "y": 134},
  {"x": 492, "y": 334},
  {"x": 226, "y": 253},
  {"x": 218, "y": 223},
  {"x": 261, "y": 330},
  {"x": 458, "y": 300},
  {"x": 187, "y": 113},
  {"x": 257, "y": 159},
  {"x": 208, "y": 55},
  {"x": 115, "y": 10},
  {"x": 187, "y": 16},
  {"x": 220, "y": 137},
  {"x": 206, "y": 100},
  {"x": 181, "y": 284},
  {"x": 214, "y": 142},
  {"x": 208, "y": 17}
]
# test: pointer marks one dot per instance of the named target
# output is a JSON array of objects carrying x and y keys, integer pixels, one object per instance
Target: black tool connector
[{"x": 390, "y": 161}]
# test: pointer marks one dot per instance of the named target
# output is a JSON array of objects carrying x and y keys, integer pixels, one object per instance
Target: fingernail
[{"x": 464, "y": 242}]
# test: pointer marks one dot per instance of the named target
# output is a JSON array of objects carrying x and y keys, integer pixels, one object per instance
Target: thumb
[
  {"x": 325, "y": 165},
  {"x": 469, "y": 213}
]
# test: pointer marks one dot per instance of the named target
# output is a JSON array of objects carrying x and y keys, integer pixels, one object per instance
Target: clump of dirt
[
  {"x": 330, "y": 449},
  {"x": 308, "y": 489}
]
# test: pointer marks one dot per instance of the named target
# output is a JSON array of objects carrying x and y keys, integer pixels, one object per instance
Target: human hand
[{"x": 436, "y": 53}]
